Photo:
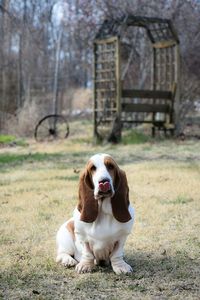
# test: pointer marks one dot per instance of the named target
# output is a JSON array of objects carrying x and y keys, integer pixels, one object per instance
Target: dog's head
[{"x": 102, "y": 178}]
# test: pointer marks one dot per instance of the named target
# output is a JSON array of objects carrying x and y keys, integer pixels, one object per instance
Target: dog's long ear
[
  {"x": 87, "y": 205},
  {"x": 120, "y": 200}
]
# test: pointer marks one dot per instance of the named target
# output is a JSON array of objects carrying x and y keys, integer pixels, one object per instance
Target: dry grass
[
  {"x": 24, "y": 121},
  {"x": 39, "y": 191},
  {"x": 82, "y": 99}
]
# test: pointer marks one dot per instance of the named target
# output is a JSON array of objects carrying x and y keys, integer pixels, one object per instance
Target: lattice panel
[
  {"x": 105, "y": 81},
  {"x": 160, "y": 31},
  {"x": 164, "y": 73}
]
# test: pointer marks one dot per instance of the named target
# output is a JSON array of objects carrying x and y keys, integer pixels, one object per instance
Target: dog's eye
[
  {"x": 93, "y": 168},
  {"x": 110, "y": 166}
]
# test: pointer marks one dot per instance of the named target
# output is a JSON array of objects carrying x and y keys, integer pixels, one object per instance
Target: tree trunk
[
  {"x": 57, "y": 61},
  {"x": 20, "y": 76},
  {"x": 5, "y": 50}
]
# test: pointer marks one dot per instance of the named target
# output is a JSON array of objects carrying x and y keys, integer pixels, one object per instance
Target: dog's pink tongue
[{"x": 104, "y": 186}]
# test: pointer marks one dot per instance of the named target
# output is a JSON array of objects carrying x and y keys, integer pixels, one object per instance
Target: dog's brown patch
[{"x": 70, "y": 228}]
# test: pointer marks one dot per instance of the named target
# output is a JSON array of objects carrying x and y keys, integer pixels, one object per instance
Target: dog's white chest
[{"x": 103, "y": 234}]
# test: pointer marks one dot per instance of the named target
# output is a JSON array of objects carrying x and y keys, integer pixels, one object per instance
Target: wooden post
[
  {"x": 154, "y": 76},
  {"x": 118, "y": 78},
  {"x": 94, "y": 93},
  {"x": 118, "y": 88},
  {"x": 177, "y": 95}
]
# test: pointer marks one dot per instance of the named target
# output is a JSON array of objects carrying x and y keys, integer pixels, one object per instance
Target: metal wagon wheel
[{"x": 51, "y": 127}]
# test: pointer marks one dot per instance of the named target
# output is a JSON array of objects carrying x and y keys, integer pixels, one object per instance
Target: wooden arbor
[{"x": 114, "y": 104}]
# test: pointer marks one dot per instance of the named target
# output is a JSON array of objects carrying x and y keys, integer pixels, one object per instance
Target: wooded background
[{"x": 35, "y": 35}]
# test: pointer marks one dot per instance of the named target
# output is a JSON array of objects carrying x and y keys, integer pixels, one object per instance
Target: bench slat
[
  {"x": 130, "y": 107},
  {"x": 147, "y": 94}
]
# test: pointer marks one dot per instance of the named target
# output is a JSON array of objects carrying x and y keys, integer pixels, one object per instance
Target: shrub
[{"x": 133, "y": 136}]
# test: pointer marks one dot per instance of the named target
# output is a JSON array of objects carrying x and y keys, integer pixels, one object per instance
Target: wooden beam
[
  {"x": 164, "y": 44},
  {"x": 130, "y": 107},
  {"x": 137, "y": 121},
  {"x": 106, "y": 40},
  {"x": 144, "y": 21},
  {"x": 171, "y": 26},
  {"x": 149, "y": 94}
]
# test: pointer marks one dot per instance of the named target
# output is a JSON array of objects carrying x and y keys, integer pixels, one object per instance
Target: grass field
[{"x": 38, "y": 192}]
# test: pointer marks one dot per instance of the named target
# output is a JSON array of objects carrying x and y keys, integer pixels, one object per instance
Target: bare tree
[
  {"x": 28, "y": 35},
  {"x": 5, "y": 49}
]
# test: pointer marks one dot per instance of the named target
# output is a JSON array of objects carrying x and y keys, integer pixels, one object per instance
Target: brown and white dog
[{"x": 101, "y": 221}]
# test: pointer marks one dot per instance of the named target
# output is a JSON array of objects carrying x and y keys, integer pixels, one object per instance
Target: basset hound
[{"x": 101, "y": 221}]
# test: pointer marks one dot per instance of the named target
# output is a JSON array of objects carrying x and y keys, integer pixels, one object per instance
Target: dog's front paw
[
  {"x": 84, "y": 267},
  {"x": 66, "y": 260},
  {"x": 122, "y": 268}
]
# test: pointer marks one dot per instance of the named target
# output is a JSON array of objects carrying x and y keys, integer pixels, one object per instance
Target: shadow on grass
[
  {"x": 160, "y": 276},
  {"x": 175, "y": 274}
]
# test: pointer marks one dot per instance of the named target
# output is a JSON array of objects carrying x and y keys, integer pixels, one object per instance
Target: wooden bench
[{"x": 158, "y": 109}]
